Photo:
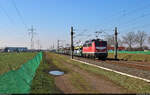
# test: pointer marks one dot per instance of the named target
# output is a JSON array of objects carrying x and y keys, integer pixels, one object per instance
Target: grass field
[
  {"x": 45, "y": 83},
  {"x": 131, "y": 57},
  {"x": 129, "y": 83},
  {"x": 12, "y": 61}
]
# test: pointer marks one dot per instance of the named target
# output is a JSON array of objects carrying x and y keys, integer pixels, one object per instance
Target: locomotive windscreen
[
  {"x": 100, "y": 43},
  {"x": 104, "y": 43}
]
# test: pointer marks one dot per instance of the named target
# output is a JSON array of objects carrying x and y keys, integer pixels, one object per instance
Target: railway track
[
  {"x": 131, "y": 64},
  {"x": 138, "y": 69}
]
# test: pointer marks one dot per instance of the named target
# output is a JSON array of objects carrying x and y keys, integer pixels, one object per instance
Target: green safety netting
[
  {"x": 19, "y": 81},
  {"x": 132, "y": 52}
]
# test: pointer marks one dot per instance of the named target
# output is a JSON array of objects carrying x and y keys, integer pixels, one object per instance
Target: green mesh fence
[
  {"x": 19, "y": 81},
  {"x": 132, "y": 52}
]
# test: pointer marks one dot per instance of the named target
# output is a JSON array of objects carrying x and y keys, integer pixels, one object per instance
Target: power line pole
[
  {"x": 53, "y": 45},
  {"x": 38, "y": 43},
  {"x": 32, "y": 36},
  {"x": 72, "y": 43},
  {"x": 116, "y": 44},
  {"x": 58, "y": 46}
]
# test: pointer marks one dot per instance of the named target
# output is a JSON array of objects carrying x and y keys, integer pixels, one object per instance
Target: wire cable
[
  {"x": 120, "y": 16},
  {"x": 135, "y": 19},
  {"x": 19, "y": 13},
  {"x": 5, "y": 12}
]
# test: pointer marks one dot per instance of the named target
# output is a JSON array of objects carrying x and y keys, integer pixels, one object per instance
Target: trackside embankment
[{"x": 19, "y": 81}]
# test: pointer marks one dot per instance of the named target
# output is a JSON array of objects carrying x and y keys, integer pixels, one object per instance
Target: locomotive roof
[{"x": 93, "y": 40}]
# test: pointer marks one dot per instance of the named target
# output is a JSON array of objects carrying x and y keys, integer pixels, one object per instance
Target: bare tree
[
  {"x": 110, "y": 40},
  {"x": 140, "y": 38},
  {"x": 129, "y": 39},
  {"x": 120, "y": 42}
]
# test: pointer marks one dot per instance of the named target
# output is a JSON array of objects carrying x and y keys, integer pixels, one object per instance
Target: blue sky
[{"x": 53, "y": 19}]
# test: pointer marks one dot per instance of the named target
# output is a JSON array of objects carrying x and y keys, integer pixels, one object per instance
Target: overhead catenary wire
[
  {"x": 130, "y": 22},
  {"x": 8, "y": 16},
  {"x": 111, "y": 17},
  {"x": 10, "y": 19},
  {"x": 19, "y": 13},
  {"x": 135, "y": 24},
  {"x": 120, "y": 16},
  {"x": 129, "y": 14},
  {"x": 135, "y": 19},
  {"x": 133, "y": 12},
  {"x": 140, "y": 26}
]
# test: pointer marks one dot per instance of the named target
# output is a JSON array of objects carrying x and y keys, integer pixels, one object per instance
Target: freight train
[{"x": 95, "y": 48}]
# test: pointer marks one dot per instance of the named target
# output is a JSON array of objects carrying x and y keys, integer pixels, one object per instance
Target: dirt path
[
  {"x": 93, "y": 83},
  {"x": 65, "y": 85}
]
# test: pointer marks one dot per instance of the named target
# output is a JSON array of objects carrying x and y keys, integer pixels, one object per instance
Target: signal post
[
  {"x": 116, "y": 44},
  {"x": 71, "y": 49}
]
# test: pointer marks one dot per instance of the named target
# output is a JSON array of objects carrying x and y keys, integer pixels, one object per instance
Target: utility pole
[
  {"x": 32, "y": 36},
  {"x": 53, "y": 45},
  {"x": 72, "y": 43},
  {"x": 38, "y": 44},
  {"x": 116, "y": 44},
  {"x": 58, "y": 46}
]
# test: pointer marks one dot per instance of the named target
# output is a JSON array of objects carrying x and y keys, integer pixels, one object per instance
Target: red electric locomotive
[{"x": 95, "y": 48}]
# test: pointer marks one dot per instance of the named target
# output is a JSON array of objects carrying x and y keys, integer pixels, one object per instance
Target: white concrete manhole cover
[{"x": 56, "y": 73}]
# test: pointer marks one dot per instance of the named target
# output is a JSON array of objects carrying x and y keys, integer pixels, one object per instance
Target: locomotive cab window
[
  {"x": 97, "y": 43},
  {"x": 103, "y": 43}
]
